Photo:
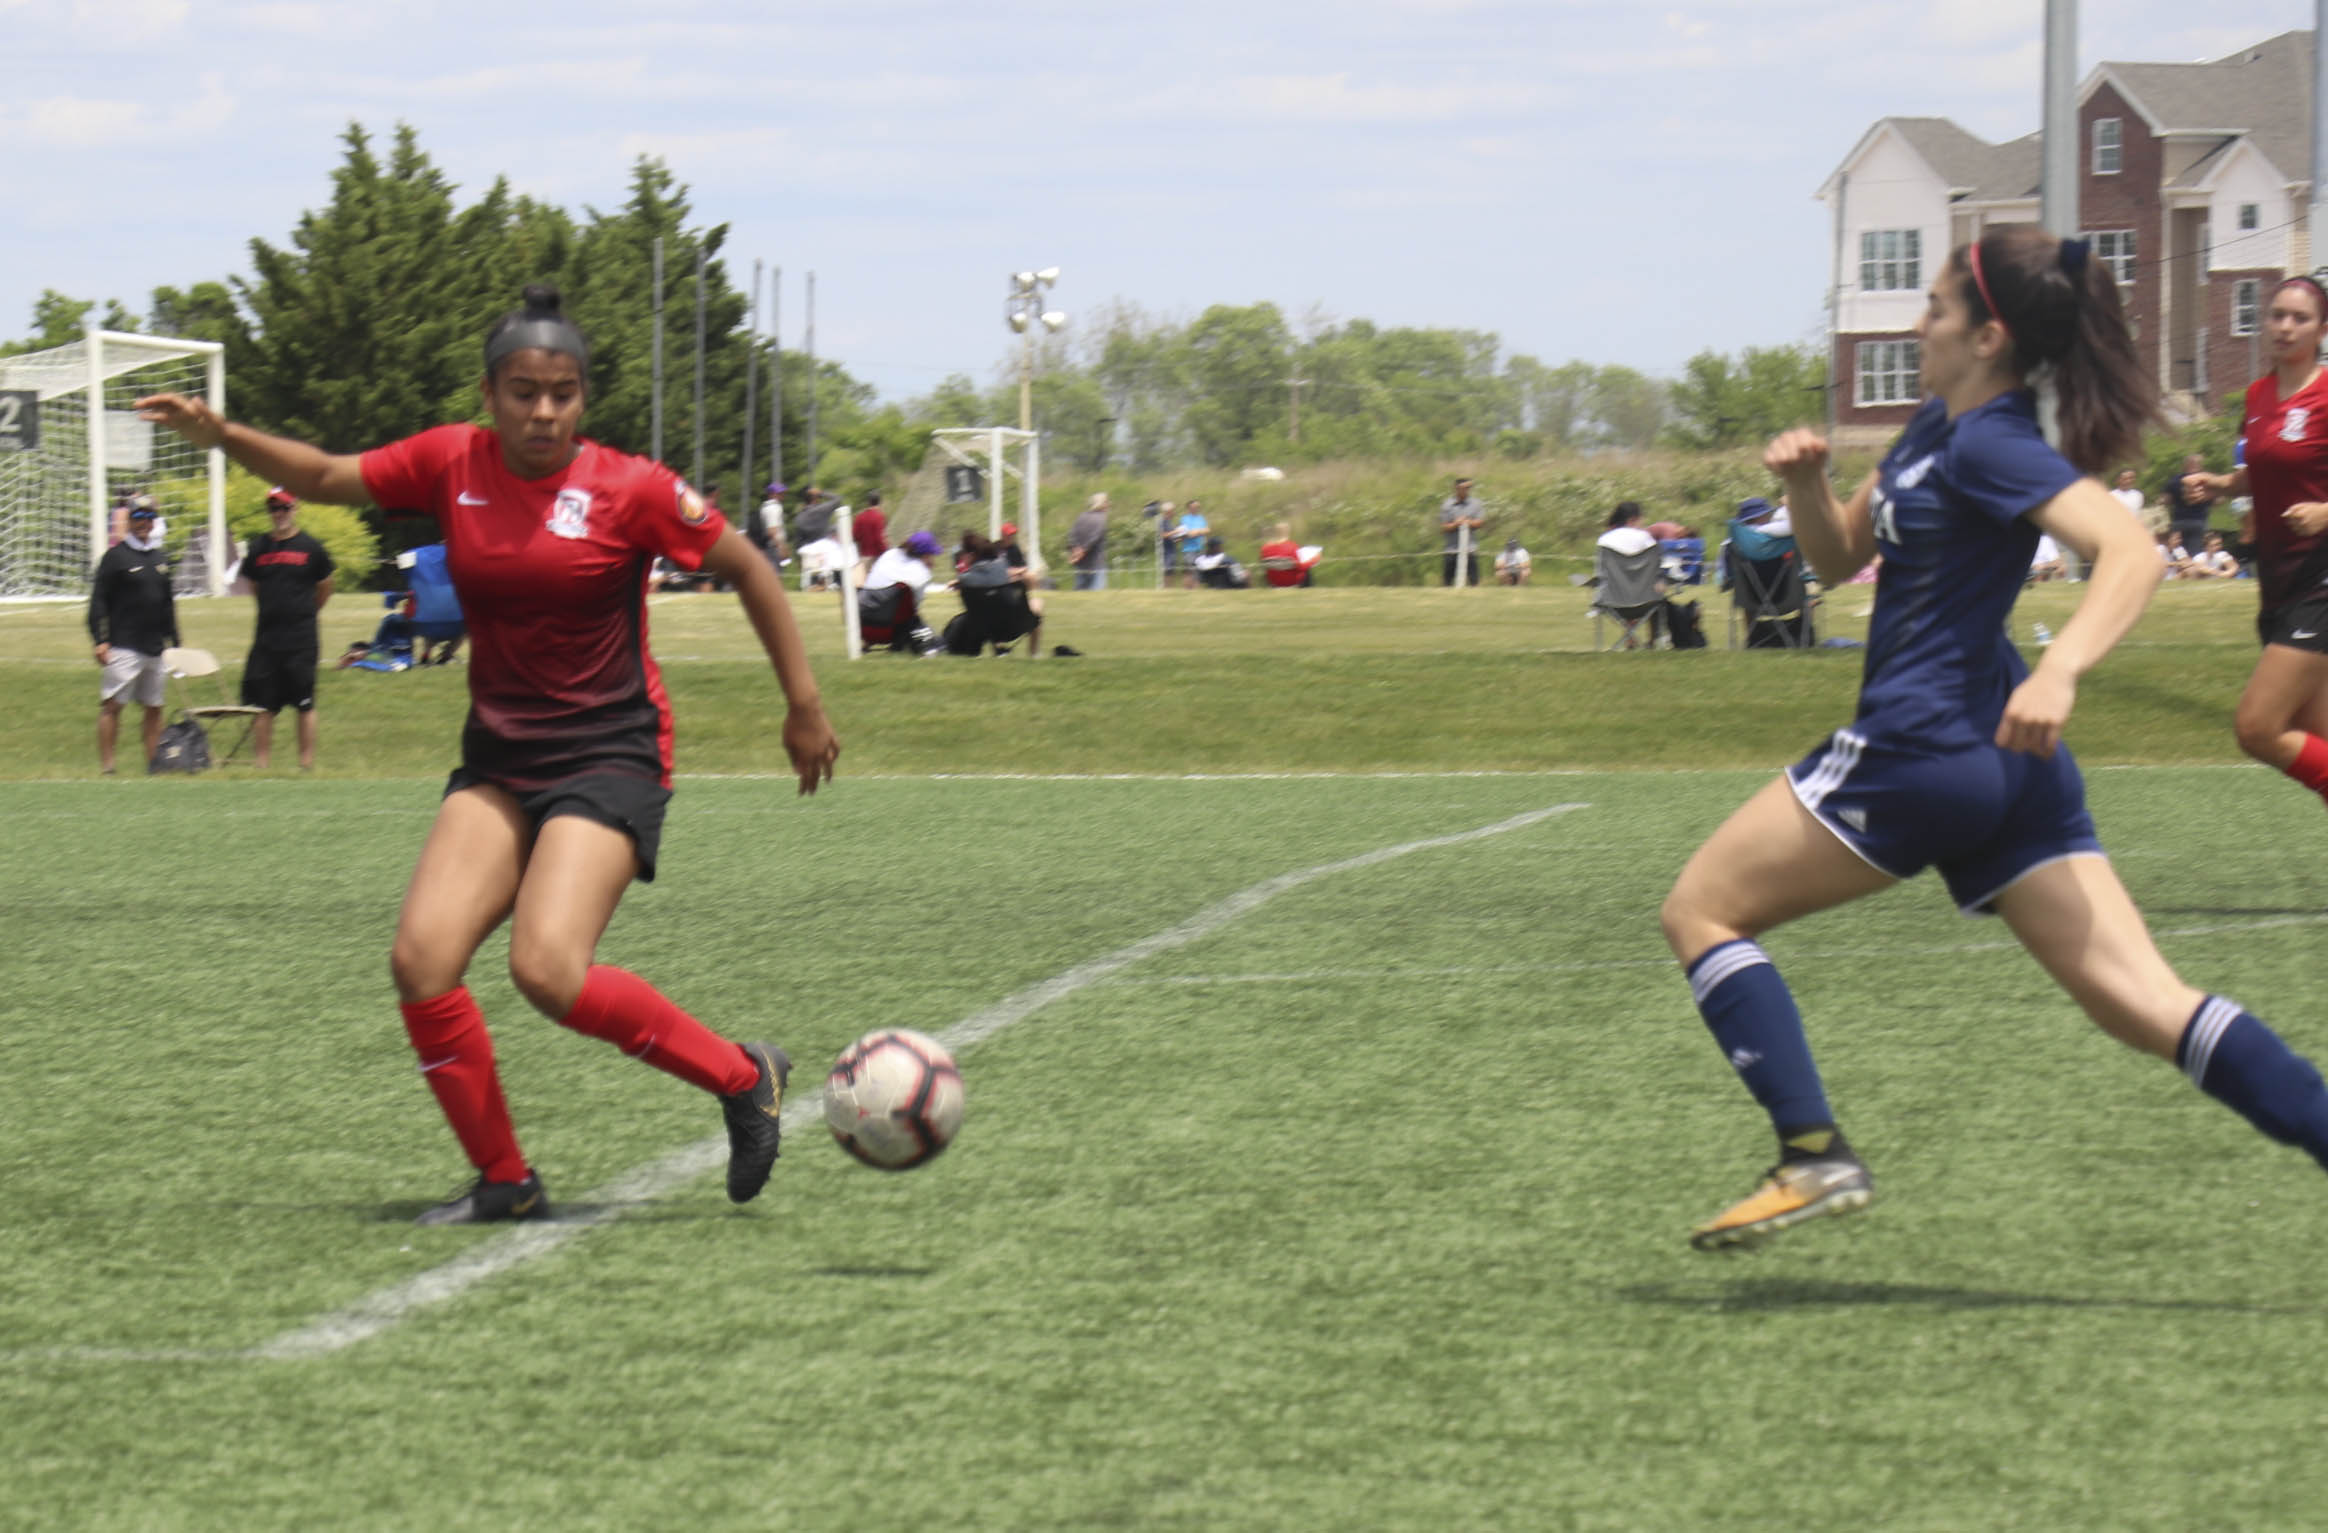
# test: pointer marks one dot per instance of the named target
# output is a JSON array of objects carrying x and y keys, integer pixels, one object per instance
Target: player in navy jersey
[
  {"x": 1954, "y": 758},
  {"x": 2283, "y": 713},
  {"x": 566, "y": 758}
]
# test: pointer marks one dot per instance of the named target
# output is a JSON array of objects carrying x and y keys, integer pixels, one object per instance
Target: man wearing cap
[
  {"x": 765, "y": 526},
  {"x": 881, "y": 607},
  {"x": 290, "y": 574},
  {"x": 132, "y": 619},
  {"x": 1012, "y": 554}
]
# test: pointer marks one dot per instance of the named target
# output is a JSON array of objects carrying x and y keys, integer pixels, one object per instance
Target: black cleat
[
  {"x": 753, "y": 1130},
  {"x": 493, "y": 1202}
]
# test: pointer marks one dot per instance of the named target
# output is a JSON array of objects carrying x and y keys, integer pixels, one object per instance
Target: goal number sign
[{"x": 19, "y": 420}]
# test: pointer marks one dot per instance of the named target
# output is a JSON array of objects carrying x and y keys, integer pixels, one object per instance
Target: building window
[
  {"x": 2106, "y": 146},
  {"x": 1891, "y": 259},
  {"x": 2249, "y": 215},
  {"x": 2246, "y": 302},
  {"x": 2114, "y": 248},
  {"x": 1887, "y": 372}
]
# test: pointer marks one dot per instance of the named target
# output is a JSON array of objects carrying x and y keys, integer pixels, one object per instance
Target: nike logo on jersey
[
  {"x": 468, "y": 499},
  {"x": 2305, "y": 633}
]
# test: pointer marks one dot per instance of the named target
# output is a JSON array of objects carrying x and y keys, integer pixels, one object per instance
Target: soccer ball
[{"x": 894, "y": 1099}]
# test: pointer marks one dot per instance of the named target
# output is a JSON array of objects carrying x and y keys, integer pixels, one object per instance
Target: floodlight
[
  {"x": 1023, "y": 279},
  {"x": 1047, "y": 275},
  {"x": 1053, "y": 320},
  {"x": 1018, "y": 321}
]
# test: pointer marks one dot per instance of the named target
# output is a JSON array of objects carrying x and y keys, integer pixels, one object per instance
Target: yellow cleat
[{"x": 1791, "y": 1192}]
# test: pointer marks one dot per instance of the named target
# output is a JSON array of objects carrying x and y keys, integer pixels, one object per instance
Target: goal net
[
  {"x": 70, "y": 444},
  {"x": 972, "y": 476}
]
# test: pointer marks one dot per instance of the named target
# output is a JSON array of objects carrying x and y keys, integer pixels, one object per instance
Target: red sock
[
  {"x": 638, "y": 1019},
  {"x": 2311, "y": 765},
  {"x": 456, "y": 1059}
]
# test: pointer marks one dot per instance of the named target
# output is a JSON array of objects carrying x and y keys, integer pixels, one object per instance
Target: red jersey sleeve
[
  {"x": 668, "y": 518},
  {"x": 402, "y": 476}
]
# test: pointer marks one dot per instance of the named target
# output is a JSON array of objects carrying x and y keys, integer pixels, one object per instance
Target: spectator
[
  {"x": 815, "y": 521},
  {"x": 2045, "y": 563},
  {"x": 132, "y": 618},
  {"x": 1626, "y": 538},
  {"x": 291, "y": 575},
  {"x": 1513, "y": 566},
  {"x": 1192, "y": 534},
  {"x": 1087, "y": 545},
  {"x": 1283, "y": 563},
  {"x": 2213, "y": 562},
  {"x": 2129, "y": 494},
  {"x": 1011, "y": 552},
  {"x": 2187, "y": 496},
  {"x": 1460, "y": 518},
  {"x": 870, "y": 532},
  {"x": 999, "y": 606},
  {"x": 1217, "y": 571},
  {"x": 889, "y": 607},
  {"x": 764, "y": 527},
  {"x": 2172, "y": 553}
]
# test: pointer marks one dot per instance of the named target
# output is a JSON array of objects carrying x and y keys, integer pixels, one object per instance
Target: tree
[
  {"x": 1725, "y": 403},
  {"x": 1235, "y": 363},
  {"x": 1627, "y": 408}
]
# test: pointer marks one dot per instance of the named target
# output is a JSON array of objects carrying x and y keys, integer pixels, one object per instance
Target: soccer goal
[
  {"x": 70, "y": 443},
  {"x": 968, "y": 466}
]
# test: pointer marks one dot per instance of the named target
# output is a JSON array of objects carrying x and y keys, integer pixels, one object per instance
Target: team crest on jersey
[
  {"x": 692, "y": 510},
  {"x": 570, "y": 514},
  {"x": 2292, "y": 429}
]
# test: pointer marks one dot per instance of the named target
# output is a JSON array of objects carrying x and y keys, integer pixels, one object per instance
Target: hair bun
[{"x": 541, "y": 298}]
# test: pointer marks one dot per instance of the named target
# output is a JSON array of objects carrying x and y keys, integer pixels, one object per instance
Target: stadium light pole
[
  {"x": 2057, "y": 165},
  {"x": 1023, "y": 311}
]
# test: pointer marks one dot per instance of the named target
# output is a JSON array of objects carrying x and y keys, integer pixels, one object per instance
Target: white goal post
[{"x": 76, "y": 443}]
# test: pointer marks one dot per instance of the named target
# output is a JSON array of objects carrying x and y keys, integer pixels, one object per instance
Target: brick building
[{"x": 2193, "y": 184}]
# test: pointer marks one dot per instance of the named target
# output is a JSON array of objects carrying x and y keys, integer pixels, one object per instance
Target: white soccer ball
[{"x": 894, "y": 1099}]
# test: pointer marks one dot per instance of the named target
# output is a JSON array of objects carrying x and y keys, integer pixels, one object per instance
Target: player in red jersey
[
  {"x": 2283, "y": 715},
  {"x": 566, "y": 758}
]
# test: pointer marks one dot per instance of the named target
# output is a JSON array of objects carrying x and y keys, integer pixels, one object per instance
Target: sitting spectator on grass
[
  {"x": 1215, "y": 570},
  {"x": 2214, "y": 562},
  {"x": 999, "y": 606},
  {"x": 1284, "y": 563},
  {"x": 1513, "y": 566}
]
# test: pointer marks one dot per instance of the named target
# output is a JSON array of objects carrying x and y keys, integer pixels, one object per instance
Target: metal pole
[
  {"x": 100, "y": 507},
  {"x": 2319, "y": 208},
  {"x": 776, "y": 378},
  {"x": 751, "y": 392},
  {"x": 697, "y": 475},
  {"x": 655, "y": 448},
  {"x": 214, "y": 464},
  {"x": 995, "y": 463},
  {"x": 808, "y": 468},
  {"x": 2058, "y": 183},
  {"x": 1027, "y": 368}
]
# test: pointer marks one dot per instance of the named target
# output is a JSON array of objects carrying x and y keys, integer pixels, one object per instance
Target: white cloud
[
  {"x": 1333, "y": 98},
  {"x": 301, "y": 20},
  {"x": 129, "y": 23},
  {"x": 86, "y": 122}
]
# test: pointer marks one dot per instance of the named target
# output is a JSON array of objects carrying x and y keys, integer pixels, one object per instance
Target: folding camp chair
[
  {"x": 189, "y": 665},
  {"x": 1629, "y": 591},
  {"x": 1771, "y": 603}
]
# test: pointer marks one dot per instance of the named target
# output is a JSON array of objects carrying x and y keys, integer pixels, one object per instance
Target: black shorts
[
  {"x": 2299, "y": 624},
  {"x": 279, "y": 678},
  {"x": 633, "y": 805}
]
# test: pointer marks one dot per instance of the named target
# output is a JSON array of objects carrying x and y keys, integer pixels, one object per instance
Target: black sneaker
[
  {"x": 492, "y": 1202},
  {"x": 753, "y": 1129}
]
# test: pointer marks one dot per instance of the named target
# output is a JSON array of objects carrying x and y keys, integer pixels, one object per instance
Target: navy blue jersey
[{"x": 1950, "y": 520}]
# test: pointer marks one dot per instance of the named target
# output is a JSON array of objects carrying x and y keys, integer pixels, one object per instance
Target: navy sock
[
  {"x": 2234, "y": 1058},
  {"x": 1752, "y": 1016}
]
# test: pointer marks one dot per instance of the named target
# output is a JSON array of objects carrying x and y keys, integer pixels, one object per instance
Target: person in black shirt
[
  {"x": 290, "y": 574},
  {"x": 132, "y": 619}
]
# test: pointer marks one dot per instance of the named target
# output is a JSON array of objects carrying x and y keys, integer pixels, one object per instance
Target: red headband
[{"x": 1981, "y": 282}]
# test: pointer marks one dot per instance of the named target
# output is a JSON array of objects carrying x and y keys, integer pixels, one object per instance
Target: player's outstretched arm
[
  {"x": 306, "y": 471},
  {"x": 808, "y": 736},
  {"x": 1837, "y": 538}
]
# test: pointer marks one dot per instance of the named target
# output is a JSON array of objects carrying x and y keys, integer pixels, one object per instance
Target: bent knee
[
  {"x": 1689, "y": 927},
  {"x": 420, "y": 970},
  {"x": 549, "y": 977}
]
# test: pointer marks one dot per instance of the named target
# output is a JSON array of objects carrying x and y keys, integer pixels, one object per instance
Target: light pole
[{"x": 1023, "y": 311}]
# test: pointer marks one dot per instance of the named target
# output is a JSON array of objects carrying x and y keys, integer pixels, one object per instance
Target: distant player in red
[
  {"x": 2283, "y": 715},
  {"x": 566, "y": 758}
]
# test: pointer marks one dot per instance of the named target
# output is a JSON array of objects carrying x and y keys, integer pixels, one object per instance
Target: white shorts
[{"x": 133, "y": 677}]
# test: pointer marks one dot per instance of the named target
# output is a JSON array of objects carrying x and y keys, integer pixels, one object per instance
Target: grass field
[{"x": 1332, "y": 1141}]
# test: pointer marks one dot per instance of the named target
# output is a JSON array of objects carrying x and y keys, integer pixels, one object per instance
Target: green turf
[{"x": 1364, "y": 1209}]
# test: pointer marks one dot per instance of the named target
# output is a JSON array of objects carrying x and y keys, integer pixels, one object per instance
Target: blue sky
[{"x": 1609, "y": 182}]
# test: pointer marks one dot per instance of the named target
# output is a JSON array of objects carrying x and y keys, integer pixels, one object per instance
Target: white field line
[{"x": 379, "y": 1311}]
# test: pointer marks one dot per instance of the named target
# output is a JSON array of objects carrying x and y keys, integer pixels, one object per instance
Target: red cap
[
  {"x": 1010, "y": 529},
  {"x": 278, "y": 496}
]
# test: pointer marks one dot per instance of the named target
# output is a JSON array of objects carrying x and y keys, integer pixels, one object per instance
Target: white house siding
[{"x": 1890, "y": 187}]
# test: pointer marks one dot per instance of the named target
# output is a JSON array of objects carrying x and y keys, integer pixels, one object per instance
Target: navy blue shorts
[
  {"x": 1984, "y": 817},
  {"x": 633, "y": 805}
]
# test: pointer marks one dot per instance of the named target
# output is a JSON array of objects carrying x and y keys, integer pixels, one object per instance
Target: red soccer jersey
[
  {"x": 2287, "y": 463},
  {"x": 552, "y": 576}
]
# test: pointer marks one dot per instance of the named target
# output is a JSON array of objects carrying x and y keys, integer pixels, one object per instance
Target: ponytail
[{"x": 2061, "y": 311}]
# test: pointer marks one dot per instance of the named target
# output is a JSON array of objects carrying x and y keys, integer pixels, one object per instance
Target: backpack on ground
[{"x": 182, "y": 747}]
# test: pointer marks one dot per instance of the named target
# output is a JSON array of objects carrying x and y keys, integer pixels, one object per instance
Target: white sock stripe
[
  {"x": 2215, "y": 1014},
  {"x": 1721, "y": 964}
]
